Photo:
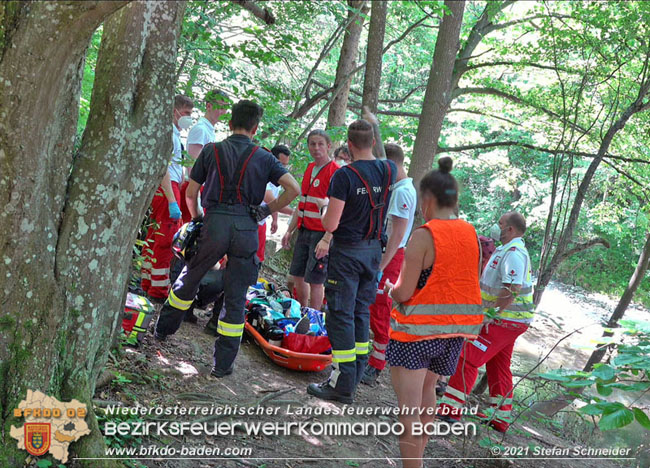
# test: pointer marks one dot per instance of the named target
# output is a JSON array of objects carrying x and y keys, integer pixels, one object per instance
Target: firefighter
[
  {"x": 235, "y": 172},
  {"x": 401, "y": 213},
  {"x": 165, "y": 212},
  {"x": 306, "y": 272},
  {"x": 354, "y": 218},
  {"x": 506, "y": 284}
]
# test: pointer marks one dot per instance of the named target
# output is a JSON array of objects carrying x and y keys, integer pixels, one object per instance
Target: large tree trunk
[
  {"x": 347, "y": 62},
  {"x": 374, "y": 55},
  {"x": 438, "y": 92},
  {"x": 550, "y": 408},
  {"x": 68, "y": 221}
]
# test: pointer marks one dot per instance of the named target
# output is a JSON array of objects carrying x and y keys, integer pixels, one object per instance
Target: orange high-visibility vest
[
  {"x": 312, "y": 191},
  {"x": 449, "y": 305}
]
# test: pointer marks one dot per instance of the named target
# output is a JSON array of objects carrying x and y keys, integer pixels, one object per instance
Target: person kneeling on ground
[{"x": 438, "y": 304}]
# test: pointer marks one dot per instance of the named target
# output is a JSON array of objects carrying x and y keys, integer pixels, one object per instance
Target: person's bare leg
[
  {"x": 408, "y": 385},
  {"x": 428, "y": 405},
  {"x": 317, "y": 292},
  {"x": 302, "y": 290}
]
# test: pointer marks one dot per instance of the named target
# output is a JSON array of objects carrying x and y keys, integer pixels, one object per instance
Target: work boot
[
  {"x": 157, "y": 300},
  {"x": 496, "y": 424},
  {"x": 370, "y": 375},
  {"x": 325, "y": 391},
  {"x": 219, "y": 373},
  {"x": 189, "y": 316},
  {"x": 448, "y": 413},
  {"x": 159, "y": 337},
  {"x": 211, "y": 327},
  {"x": 441, "y": 387}
]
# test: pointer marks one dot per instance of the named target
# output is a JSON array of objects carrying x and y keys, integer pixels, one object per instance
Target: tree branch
[
  {"x": 581, "y": 247},
  {"x": 523, "y": 64},
  {"x": 517, "y": 100},
  {"x": 471, "y": 111},
  {"x": 262, "y": 13},
  {"x": 458, "y": 149},
  {"x": 644, "y": 189},
  {"x": 494, "y": 27},
  {"x": 403, "y": 98}
]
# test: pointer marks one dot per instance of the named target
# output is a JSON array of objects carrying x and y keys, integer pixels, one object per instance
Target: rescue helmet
[{"x": 185, "y": 243}]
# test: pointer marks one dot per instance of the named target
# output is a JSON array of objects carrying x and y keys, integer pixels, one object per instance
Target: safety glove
[{"x": 174, "y": 210}]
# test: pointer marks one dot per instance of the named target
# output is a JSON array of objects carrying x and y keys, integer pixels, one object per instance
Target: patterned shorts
[{"x": 439, "y": 355}]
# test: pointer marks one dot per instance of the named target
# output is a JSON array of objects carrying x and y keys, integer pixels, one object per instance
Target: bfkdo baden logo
[{"x": 50, "y": 425}]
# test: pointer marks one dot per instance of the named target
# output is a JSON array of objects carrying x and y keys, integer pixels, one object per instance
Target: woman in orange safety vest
[{"x": 437, "y": 305}]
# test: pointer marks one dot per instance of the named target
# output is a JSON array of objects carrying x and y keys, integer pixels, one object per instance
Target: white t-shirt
[
  {"x": 201, "y": 133},
  {"x": 276, "y": 193},
  {"x": 402, "y": 204},
  {"x": 175, "y": 169}
]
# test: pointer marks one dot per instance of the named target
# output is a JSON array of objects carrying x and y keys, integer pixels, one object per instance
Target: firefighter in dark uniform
[
  {"x": 355, "y": 218},
  {"x": 235, "y": 172}
]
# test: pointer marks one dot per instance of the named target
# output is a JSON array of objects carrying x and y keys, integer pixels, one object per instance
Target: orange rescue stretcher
[{"x": 305, "y": 362}]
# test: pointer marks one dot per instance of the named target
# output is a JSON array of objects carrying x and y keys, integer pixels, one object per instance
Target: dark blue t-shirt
[
  {"x": 263, "y": 167},
  {"x": 347, "y": 186}
]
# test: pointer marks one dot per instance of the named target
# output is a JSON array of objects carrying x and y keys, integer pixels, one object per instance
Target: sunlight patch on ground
[
  {"x": 531, "y": 431},
  {"x": 162, "y": 359},
  {"x": 313, "y": 440},
  {"x": 186, "y": 368}
]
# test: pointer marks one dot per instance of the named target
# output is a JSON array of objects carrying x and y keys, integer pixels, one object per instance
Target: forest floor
[{"x": 176, "y": 373}]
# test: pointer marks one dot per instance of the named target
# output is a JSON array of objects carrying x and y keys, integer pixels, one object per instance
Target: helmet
[{"x": 185, "y": 243}]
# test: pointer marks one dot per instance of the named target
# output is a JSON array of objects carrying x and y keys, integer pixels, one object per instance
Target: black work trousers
[{"x": 227, "y": 230}]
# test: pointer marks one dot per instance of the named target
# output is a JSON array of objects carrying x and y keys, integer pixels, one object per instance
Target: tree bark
[
  {"x": 347, "y": 62},
  {"x": 262, "y": 13},
  {"x": 374, "y": 54},
  {"x": 438, "y": 93},
  {"x": 69, "y": 220}
]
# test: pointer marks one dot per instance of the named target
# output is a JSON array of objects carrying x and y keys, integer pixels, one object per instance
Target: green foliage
[
  {"x": 572, "y": 67},
  {"x": 629, "y": 371},
  {"x": 118, "y": 440},
  {"x": 88, "y": 80},
  {"x": 120, "y": 380},
  {"x": 48, "y": 464}
]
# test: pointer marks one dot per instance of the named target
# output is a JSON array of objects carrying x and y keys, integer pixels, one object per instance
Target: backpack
[{"x": 487, "y": 249}]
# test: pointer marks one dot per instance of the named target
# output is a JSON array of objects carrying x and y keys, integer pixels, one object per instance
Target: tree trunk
[
  {"x": 69, "y": 220},
  {"x": 623, "y": 303},
  {"x": 347, "y": 62},
  {"x": 550, "y": 408},
  {"x": 374, "y": 54},
  {"x": 438, "y": 92}
]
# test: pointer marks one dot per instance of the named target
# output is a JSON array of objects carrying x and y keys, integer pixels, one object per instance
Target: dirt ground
[{"x": 176, "y": 373}]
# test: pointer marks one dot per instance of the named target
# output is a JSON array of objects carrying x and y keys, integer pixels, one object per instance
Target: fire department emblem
[
  {"x": 316, "y": 182},
  {"x": 37, "y": 438}
]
